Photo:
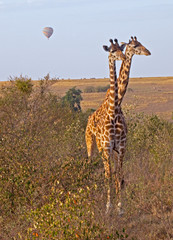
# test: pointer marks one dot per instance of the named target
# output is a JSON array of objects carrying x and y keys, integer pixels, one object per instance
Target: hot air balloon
[{"x": 47, "y": 31}]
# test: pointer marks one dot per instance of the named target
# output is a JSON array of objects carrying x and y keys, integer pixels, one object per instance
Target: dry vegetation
[
  {"x": 148, "y": 95},
  {"x": 152, "y": 95},
  {"x": 49, "y": 189}
]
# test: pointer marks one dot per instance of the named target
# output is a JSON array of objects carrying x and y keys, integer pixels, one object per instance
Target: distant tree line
[{"x": 91, "y": 89}]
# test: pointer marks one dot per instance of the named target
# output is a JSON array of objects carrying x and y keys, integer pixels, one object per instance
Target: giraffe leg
[
  {"x": 90, "y": 142},
  {"x": 118, "y": 173},
  {"x": 106, "y": 148},
  {"x": 107, "y": 168},
  {"x": 106, "y": 156}
]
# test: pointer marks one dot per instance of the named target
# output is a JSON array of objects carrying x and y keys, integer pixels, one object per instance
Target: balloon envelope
[{"x": 47, "y": 31}]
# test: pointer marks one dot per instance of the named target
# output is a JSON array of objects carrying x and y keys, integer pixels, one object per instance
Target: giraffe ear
[
  {"x": 123, "y": 45},
  {"x": 106, "y": 48}
]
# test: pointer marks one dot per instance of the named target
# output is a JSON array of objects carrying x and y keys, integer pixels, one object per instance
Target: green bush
[
  {"x": 23, "y": 84},
  {"x": 72, "y": 99}
]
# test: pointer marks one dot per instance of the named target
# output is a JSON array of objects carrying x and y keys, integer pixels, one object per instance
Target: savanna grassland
[
  {"x": 148, "y": 95},
  {"x": 49, "y": 190}
]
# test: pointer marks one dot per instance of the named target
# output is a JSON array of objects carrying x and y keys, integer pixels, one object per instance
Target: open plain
[{"x": 152, "y": 95}]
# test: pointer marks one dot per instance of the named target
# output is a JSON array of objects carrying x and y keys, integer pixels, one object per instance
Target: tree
[{"x": 73, "y": 98}]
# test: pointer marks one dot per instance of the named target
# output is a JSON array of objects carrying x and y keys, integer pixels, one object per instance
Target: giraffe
[
  {"x": 107, "y": 130},
  {"x": 132, "y": 48}
]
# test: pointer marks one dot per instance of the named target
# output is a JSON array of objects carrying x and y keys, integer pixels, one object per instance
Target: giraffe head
[
  {"x": 115, "y": 51},
  {"x": 137, "y": 48}
]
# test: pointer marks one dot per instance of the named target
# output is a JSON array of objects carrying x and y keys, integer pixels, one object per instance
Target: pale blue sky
[{"x": 81, "y": 27}]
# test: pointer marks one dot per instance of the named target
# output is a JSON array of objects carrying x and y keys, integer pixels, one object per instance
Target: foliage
[
  {"x": 102, "y": 88},
  {"x": 50, "y": 190},
  {"x": 129, "y": 90},
  {"x": 23, "y": 84},
  {"x": 73, "y": 98},
  {"x": 91, "y": 89}
]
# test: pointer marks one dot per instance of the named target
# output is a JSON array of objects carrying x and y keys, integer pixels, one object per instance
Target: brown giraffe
[
  {"x": 107, "y": 132},
  {"x": 133, "y": 47}
]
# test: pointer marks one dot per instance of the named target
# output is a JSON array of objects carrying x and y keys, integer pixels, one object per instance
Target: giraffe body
[
  {"x": 107, "y": 130},
  {"x": 110, "y": 132},
  {"x": 133, "y": 48}
]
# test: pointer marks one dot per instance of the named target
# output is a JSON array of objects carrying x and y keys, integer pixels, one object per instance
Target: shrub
[
  {"x": 130, "y": 90},
  {"x": 102, "y": 89},
  {"x": 35, "y": 135},
  {"x": 50, "y": 190},
  {"x": 23, "y": 84},
  {"x": 91, "y": 89},
  {"x": 149, "y": 173}
]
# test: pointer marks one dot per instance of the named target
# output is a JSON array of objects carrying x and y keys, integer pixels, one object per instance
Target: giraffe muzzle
[{"x": 147, "y": 52}]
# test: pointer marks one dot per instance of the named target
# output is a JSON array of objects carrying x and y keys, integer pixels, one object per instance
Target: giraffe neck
[
  {"x": 123, "y": 79},
  {"x": 113, "y": 99}
]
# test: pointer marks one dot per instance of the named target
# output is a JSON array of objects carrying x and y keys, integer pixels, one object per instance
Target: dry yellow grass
[{"x": 148, "y": 95}]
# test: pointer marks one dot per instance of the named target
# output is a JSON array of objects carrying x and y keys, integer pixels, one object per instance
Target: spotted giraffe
[
  {"x": 133, "y": 47},
  {"x": 107, "y": 132}
]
